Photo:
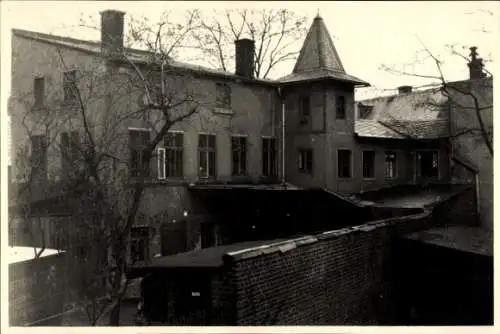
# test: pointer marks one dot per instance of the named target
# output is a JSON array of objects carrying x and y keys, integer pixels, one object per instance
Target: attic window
[{"x": 364, "y": 111}]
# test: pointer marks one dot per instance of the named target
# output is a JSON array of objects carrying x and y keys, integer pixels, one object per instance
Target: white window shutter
[{"x": 161, "y": 163}]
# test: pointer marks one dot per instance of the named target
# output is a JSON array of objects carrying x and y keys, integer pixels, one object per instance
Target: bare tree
[
  {"x": 274, "y": 33},
  {"x": 467, "y": 96},
  {"x": 101, "y": 179}
]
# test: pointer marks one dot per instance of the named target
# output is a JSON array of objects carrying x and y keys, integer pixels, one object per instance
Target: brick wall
[
  {"x": 37, "y": 289},
  {"x": 338, "y": 277}
]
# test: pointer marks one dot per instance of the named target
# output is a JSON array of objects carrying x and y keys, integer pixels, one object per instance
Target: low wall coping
[{"x": 285, "y": 246}]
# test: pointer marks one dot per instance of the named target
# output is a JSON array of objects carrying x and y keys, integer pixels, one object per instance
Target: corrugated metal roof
[{"x": 318, "y": 58}]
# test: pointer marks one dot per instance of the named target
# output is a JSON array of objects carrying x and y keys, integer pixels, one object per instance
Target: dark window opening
[
  {"x": 344, "y": 163},
  {"x": 223, "y": 95},
  {"x": 139, "y": 158},
  {"x": 206, "y": 151},
  {"x": 306, "y": 160},
  {"x": 304, "y": 110},
  {"x": 368, "y": 164},
  {"x": 269, "y": 157},
  {"x": 39, "y": 91},
  {"x": 340, "y": 107},
  {"x": 390, "y": 165},
  {"x": 239, "y": 152},
  {"x": 428, "y": 164}
]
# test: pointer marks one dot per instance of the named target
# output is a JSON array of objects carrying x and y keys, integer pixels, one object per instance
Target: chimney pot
[
  {"x": 404, "y": 89},
  {"x": 475, "y": 65},
  {"x": 245, "y": 52},
  {"x": 112, "y": 32}
]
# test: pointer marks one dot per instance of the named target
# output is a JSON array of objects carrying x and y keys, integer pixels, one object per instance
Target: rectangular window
[
  {"x": 269, "y": 156},
  {"x": 223, "y": 96},
  {"x": 304, "y": 110},
  {"x": 39, "y": 91},
  {"x": 340, "y": 107},
  {"x": 344, "y": 163},
  {"x": 39, "y": 158},
  {"x": 174, "y": 154},
  {"x": 239, "y": 152},
  {"x": 206, "y": 151},
  {"x": 368, "y": 164},
  {"x": 306, "y": 160},
  {"x": 69, "y": 150},
  {"x": 69, "y": 85},
  {"x": 428, "y": 164},
  {"x": 390, "y": 165},
  {"x": 161, "y": 163},
  {"x": 139, "y": 159}
]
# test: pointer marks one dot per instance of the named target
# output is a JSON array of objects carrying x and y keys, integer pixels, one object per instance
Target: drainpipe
[
  {"x": 478, "y": 207},
  {"x": 282, "y": 100}
]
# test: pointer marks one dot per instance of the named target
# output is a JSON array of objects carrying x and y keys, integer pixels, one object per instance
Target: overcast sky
[{"x": 366, "y": 34}]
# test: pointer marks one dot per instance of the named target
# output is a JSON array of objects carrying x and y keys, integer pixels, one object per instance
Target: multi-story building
[{"x": 235, "y": 140}]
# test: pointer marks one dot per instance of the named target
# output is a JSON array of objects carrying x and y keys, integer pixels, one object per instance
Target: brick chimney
[
  {"x": 404, "y": 89},
  {"x": 245, "y": 52},
  {"x": 475, "y": 65},
  {"x": 112, "y": 32}
]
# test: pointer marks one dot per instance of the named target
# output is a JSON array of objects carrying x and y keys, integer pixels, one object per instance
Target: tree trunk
[{"x": 114, "y": 315}]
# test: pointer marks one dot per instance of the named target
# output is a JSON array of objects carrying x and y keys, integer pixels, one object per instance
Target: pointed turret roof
[{"x": 318, "y": 58}]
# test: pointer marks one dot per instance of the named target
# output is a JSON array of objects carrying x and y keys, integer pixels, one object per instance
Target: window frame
[
  {"x": 223, "y": 95},
  {"x": 140, "y": 148},
  {"x": 351, "y": 172},
  {"x": 374, "y": 152},
  {"x": 304, "y": 117},
  {"x": 395, "y": 167},
  {"x": 39, "y": 100},
  {"x": 340, "y": 107},
  {"x": 242, "y": 154},
  {"x": 267, "y": 154},
  {"x": 69, "y": 86},
  {"x": 208, "y": 152},
  {"x": 41, "y": 154},
  {"x": 174, "y": 149},
  {"x": 418, "y": 168},
  {"x": 305, "y": 155}
]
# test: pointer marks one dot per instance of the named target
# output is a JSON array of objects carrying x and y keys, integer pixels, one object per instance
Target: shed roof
[{"x": 206, "y": 258}]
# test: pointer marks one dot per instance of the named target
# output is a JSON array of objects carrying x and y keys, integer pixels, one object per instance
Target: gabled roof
[
  {"x": 318, "y": 58},
  {"x": 415, "y": 115},
  {"x": 135, "y": 55}
]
